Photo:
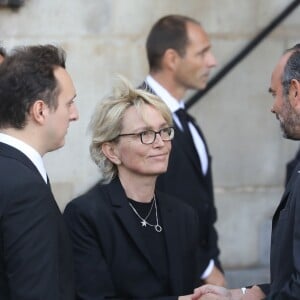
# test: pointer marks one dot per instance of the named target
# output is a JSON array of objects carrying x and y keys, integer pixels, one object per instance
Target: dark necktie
[{"x": 184, "y": 118}]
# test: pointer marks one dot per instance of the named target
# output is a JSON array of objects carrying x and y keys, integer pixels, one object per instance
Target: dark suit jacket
[
  {"x": 35, "y": 252},
  {"x": 291, "y": 165},
  {"x": 184, "y": 179},
  {"x": 285, "y": 244},
  {"x": 111, "y": 258}
]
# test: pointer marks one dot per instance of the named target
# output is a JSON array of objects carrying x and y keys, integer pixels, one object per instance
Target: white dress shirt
[
  {"x": 30, "y": 152},
  {"x": 174, "y": 105}
]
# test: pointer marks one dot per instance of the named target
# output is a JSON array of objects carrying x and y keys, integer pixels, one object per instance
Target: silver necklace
[{"x": 144, "y": 221}]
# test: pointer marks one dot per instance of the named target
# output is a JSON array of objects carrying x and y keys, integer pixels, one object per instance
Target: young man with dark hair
[{"x": 36, "y": 106}]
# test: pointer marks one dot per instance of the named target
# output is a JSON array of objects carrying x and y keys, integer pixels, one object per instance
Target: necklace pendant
[
  {"x": 144, "y": 223},
  {"x": 158, "y": 228}
]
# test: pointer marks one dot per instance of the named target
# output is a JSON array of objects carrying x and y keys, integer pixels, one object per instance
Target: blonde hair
[{"x": 107, "y": 119}]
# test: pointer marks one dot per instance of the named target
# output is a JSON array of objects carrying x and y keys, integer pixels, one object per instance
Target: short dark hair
[
  {"x": 27, "y": 75},
  {"x": 291, "y": 69},
  {"x": 169, "y": 32}
]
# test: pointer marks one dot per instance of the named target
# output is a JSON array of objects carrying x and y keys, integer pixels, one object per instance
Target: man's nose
[
  {"x": 211, "y": 60},
  {"x": 74, "y": 114}
]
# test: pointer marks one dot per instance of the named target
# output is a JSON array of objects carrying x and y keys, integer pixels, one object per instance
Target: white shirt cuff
[{"x": 208, "y": 269}]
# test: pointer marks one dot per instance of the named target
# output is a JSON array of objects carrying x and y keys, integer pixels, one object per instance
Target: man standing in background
[
  {"x": 180, "y": 58},
  {"x": 36, "y": 107}
]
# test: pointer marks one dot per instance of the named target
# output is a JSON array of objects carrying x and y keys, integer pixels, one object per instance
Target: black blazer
[
  {"x": 111, "y": 258},
  {"x": 291, "y": 165},
  {"x": 184, "y": 179},
  {"x": 285, "y": 244},
  {"x": 35, "y": 251}
]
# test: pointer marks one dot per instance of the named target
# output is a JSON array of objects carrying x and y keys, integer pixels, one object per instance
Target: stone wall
[{"x": 104, "y": 38}]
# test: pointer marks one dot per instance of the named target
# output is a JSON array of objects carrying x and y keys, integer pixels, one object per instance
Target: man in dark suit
[
  {"x": 36, "y": 107},
  {"x": 180, "y": 58},
  {"x": 285, "y": 241}
]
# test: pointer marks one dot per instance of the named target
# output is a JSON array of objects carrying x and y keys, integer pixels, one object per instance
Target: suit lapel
[
  {"x": 127, "y": 218},
  {"x": 170, "y": 224},
  {"x": 188, "y": 149},
  {"x": 192, "y": 120}
]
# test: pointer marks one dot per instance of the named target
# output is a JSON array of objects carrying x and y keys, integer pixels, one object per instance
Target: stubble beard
[{"x": 290, "y": 122}]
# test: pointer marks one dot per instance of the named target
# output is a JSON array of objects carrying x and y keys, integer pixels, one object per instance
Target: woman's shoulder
[{"x": 90, "y": 200}]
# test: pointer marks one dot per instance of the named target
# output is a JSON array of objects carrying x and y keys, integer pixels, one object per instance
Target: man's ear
[
  {"x": 111, "y": 152},
  {"x": 294, "y": 94},
  {"x": 170, "y": 59},
  {"x": 38, "y": 111}
]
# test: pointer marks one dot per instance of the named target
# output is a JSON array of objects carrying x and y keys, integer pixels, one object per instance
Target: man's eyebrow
[
  {"x": 73, "y": 98},
  {"x": 205, "y": 49}
]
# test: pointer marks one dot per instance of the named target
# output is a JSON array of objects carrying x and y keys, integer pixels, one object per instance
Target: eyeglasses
[{"x": 148, "y": 136}]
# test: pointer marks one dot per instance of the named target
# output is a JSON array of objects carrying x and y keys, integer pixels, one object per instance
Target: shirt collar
[
  {"x": 30, "y": 152},
  {"x": 160, "y": 91}
]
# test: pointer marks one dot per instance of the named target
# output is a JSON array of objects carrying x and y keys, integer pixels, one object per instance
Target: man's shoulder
[{"x": 18, "y": 173}]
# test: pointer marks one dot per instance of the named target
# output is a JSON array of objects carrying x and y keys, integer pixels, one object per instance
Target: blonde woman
[{"x": 130, "y": 240}]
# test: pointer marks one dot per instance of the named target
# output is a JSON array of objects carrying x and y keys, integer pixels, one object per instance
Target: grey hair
[
  {"x": 107, "y": 119},
  {"x": 291, "y": 70}
]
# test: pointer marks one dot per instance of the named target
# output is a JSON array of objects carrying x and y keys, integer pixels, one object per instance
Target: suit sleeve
[
  {"x": 29, "y": 240},
  {"x": 202, "y": 257},
  {"x": 213, "y": 238}
]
